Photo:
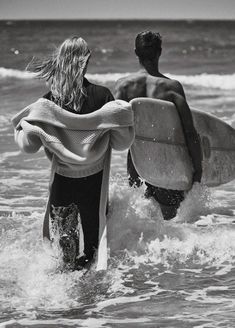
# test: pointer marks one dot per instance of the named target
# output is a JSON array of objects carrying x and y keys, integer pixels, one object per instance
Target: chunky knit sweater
[{"x": 77, "y": 145}]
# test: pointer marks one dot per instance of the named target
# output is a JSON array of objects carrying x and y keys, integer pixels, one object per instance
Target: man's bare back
[
  {"x": 150, "y": 83},
  {"x": 142, "y": 84}
]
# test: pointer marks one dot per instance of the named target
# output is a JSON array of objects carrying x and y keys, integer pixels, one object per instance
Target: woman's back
[{"x": 95, "y": 97}]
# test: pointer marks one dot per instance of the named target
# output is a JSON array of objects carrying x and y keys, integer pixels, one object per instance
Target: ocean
[{"x": 174, "y": 274}]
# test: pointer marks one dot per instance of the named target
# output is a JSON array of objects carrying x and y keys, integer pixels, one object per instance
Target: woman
[{"x": 77, "y": 131}]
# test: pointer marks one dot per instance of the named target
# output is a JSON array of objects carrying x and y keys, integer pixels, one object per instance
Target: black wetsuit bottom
[
  {"x": 71, "y": 197},
  {"x": 168, "y": 199}
]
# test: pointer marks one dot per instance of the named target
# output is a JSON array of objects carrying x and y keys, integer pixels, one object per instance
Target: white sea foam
[
  {"x": 214, "y": 81},
  {"x": 136, "y": 228},
  {"x": 15, "y": 73},
  {"x": 202, "y": 296},
  {"x": 145, "y": 250},
  {"x": 136, "y": 224},
  {"x": 75, "y": 322},
  {"x": 106, "y": 77}
]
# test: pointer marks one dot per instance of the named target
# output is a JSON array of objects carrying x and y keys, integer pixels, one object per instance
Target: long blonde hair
[{"x": 65, "y": 70}]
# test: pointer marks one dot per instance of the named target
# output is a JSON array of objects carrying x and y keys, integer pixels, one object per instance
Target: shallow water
[{"x": 160, "y": 274}]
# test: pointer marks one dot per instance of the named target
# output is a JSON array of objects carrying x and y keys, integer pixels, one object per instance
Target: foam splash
[
  {"x": 132, "y": 217},
  {"x": 142, "y": 245},
  {"x": 210, "y": 247},
  {"x": 198, "y": 201},
  {"x": 136, "y": 225}
]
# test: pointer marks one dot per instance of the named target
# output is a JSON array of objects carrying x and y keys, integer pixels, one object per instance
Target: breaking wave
[{"x": 215, "y": 81}]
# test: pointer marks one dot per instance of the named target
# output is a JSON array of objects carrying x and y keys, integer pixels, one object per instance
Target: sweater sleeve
[
  {"x": 27, "y": 138},
  {"x": 122, "y": 138}
]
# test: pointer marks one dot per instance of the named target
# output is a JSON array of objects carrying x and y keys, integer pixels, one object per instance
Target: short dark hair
[{"x": 148, "y": 44}]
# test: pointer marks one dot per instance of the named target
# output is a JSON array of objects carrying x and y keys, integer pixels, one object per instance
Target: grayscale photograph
[{"x": 117, "y": 161}]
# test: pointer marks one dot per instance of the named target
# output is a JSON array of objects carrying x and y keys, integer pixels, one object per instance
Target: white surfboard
[{"x": 159, "y": 152}]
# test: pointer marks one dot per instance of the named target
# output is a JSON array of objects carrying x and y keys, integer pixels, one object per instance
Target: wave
[
  {"x": 15, "y": 73},
  {"x": 214, "y": 81}
]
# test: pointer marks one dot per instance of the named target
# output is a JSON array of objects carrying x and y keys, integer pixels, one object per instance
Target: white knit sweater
[{"x": 78, "y": 142}]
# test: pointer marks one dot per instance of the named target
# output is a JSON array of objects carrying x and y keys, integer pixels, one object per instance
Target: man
[{"x": 149, "y": 82}]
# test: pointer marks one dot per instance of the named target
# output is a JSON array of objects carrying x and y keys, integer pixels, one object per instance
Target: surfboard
[{"x": 159, "y": 152}]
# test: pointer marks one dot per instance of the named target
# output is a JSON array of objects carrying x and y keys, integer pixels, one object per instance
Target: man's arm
[
  {"x": 176, "y": 86},
  {"x": 191, "y": 136}
]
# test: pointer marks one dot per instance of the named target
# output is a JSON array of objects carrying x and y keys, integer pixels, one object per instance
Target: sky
[{"x": 117, "y": 9}]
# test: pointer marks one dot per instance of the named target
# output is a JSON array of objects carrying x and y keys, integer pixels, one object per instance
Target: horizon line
[{"x": 117, "y": 19}]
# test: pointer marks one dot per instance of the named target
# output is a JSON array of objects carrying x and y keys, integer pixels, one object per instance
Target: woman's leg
[
  {"x": 64, "y": 213},
  {"x": 71, "y": 197},
  {"x": 89, "y": 204}
]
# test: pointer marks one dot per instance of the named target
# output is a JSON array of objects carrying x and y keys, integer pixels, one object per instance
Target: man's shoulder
[
  {"x": 132, "y": 78},
  {"x": 174, "y": 84},
  {"x": 165, "y": 84},
  {"x": 162, "y": 80}
]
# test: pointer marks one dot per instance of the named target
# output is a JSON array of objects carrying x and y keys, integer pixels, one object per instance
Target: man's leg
[
  {"x": 133, "y": 177},
  {"x": 168, "y": 199}
]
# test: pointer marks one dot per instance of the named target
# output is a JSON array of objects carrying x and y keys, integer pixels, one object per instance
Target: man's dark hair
[{"x": 148, "y": 45}]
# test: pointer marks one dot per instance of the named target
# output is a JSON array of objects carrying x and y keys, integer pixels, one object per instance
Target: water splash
[{"x": 145, "y": 251}]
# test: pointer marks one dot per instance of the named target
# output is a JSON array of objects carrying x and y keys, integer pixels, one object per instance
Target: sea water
[{"x": 179, "y": 273}]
